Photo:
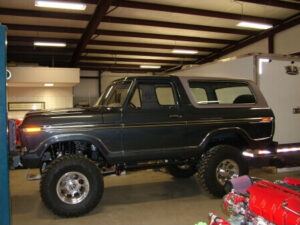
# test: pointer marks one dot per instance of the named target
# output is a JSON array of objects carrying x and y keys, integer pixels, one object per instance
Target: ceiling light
[
  {"x": 184, "y": 51},
  {"x": 48, "y": 84},
  {"x": 261, "y": 26},
  {"x": 149, "y": 67},
  {"x": 49, "y": 44},
  {"x": 60, "y": 5}
]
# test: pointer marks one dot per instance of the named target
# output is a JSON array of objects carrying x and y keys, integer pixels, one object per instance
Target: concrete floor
[{"x": 142, "y": 198}]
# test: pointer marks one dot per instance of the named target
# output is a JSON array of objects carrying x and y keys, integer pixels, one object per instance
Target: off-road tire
[
  {"x": 178, "y": 172},
  {"x": 59, "y": 168},
  {"x": 208, "y": 167}
]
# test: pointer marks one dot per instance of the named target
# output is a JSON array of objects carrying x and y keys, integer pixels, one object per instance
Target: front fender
[{"x": 32, "y": 159}]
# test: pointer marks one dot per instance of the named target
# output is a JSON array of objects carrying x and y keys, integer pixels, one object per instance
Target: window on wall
[{"x": 221, "y": 92}]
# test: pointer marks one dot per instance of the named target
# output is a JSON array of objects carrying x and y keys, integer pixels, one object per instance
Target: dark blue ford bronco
[{"x": 186, "y": 124}]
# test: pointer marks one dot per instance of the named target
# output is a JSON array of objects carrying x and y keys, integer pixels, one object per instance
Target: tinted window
[{"x": 221, "y": 92}]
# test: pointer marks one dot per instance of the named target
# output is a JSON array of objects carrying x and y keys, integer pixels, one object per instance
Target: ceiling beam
[
  {"x": 184, "y": 26},
  {"x": 37, "y": 58},
  {"x": 107, "y": 65},
  {"x": 55, "y": 29},
  {"x": 95, "y": 58},
  {"x": 37, "y": 50},
  {"x": 121, "y": 20},
  {"x": 275, "y": 3},
  {"x": 44, "y": 14},
  {"x": 68, "y": 50},
  {"x": 96, "y": 19},
  {"x": 46, "y": 39},
  {"x": 286, "y": 24},
  {"x": 163, "y": 37},
  {"x": 156, "y": 46},
  {"x": 124, "y": 70},
  {"x": 118, "y": 33},
  {"x": 191, "y": 11},
  {"x": 137, "y": 53},
  {"x": 108, "y": 43}
]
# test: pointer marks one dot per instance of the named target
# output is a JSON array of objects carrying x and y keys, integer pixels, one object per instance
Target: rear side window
[{"x": 221, "y": 92}]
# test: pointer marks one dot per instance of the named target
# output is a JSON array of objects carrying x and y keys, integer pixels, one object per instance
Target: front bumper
[{"x": 31, "y": 160}]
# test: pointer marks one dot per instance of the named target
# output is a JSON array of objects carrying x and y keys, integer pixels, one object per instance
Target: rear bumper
[{"x": 263, "y": 157}]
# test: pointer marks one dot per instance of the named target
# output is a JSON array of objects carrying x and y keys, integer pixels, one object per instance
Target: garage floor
[{"x": 144, "y": 197}]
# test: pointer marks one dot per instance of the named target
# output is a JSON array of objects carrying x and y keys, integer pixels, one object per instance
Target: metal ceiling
[{"x": 121, "y": 35}]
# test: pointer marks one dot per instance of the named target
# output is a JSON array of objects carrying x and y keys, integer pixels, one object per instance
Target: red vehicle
[{"x": 261, "y": 203}]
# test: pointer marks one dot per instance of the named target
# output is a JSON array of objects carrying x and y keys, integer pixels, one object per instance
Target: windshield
[{"x": 114, "y": 95}]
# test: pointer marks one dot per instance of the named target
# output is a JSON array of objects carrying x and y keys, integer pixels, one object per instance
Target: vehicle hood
[{"x": 63, "y": 117}]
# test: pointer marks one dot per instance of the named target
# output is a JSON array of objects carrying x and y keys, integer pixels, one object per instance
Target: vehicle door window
[
  {"x": 135, "y": 101},
  {"x": 165, "y": 95},
  {"x": 152, "y": 96},
  {"x": 115, "y": 95}
]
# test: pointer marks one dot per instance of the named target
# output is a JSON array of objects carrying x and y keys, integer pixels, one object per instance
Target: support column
[
  {"x": 271, "y": 44},
  {"x": 99, "y": 82},
  {"x": 4, "y": 176}
]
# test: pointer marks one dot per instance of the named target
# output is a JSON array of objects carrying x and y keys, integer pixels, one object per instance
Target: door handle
[{"x": 174, "y": 116}]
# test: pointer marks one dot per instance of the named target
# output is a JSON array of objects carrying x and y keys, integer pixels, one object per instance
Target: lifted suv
[{"x": 185, "y": 124}]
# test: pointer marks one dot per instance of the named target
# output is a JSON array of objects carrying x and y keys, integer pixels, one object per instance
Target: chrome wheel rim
[
  {"x": 72, "y": 188},
  {"x": 226, "y": 170}
]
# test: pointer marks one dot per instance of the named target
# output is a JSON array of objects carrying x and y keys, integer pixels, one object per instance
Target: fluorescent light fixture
[
  {"x": 261, "y": 26},
  {"x": 260, "y": 65},
  {"x": 48, "y": 84},
  {"x": 60, "y": 5},
  {"x": 184, "y": 51},
  {"x": 149, "y": 67},
  {"x": 49, "y": 44}
]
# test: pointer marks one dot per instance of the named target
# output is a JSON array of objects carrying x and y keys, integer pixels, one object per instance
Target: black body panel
[{"x": 159, "y": 128}]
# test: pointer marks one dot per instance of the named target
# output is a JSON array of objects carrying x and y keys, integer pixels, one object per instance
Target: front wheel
[
  {"x": 220, "y": 164},
  {"x": 71, "y": 186}
]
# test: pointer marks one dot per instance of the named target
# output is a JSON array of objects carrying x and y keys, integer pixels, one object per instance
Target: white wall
[
  {"x": 288, "y": 42},
  {"x": 54, "y": 97},
  {"x": 260, "y": 46},
  {"x": 37, "y": 76},
  {"x": 239, "y": 68},
  {"x": 86, "y": 92},
  {"x": 285, "y": 42}
]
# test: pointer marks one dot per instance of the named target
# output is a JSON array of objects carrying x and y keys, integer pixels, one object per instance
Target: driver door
[{"x": 152, "y": 120}]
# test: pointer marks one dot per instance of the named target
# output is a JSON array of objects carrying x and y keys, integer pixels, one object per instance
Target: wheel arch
[
  {"x": 103, "y": 150},
  {"x": 233, "y": 136}
]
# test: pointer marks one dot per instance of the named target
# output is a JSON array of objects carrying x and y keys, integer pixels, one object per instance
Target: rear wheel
[
  {"x": 71, "y": 186},
  {"x": 220, "y": 164}
]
